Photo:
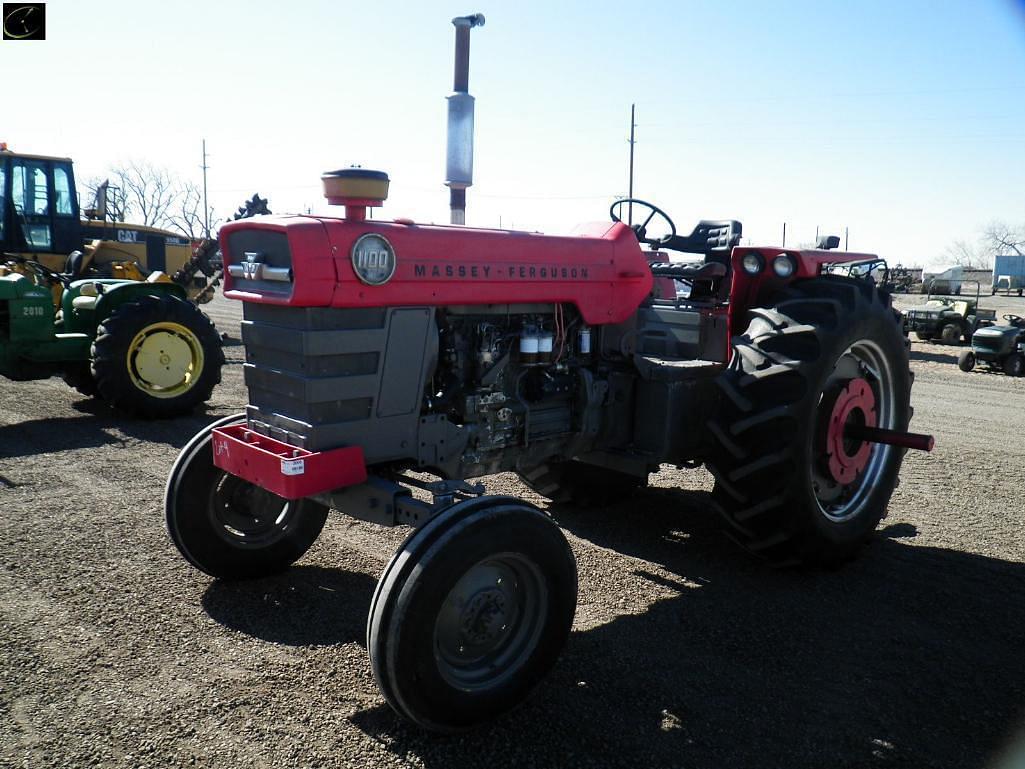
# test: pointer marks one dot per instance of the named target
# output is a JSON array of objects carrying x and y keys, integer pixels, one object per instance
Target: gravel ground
[{"x": 686, "y": 652}]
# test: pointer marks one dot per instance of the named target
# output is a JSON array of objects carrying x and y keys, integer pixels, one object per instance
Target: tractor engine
[
  {"x": 513, "y": 380},
  {"x": 462, "y": 391}
]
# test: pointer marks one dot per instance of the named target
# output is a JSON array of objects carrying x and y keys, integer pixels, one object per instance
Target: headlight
[
  {"x": 783, "y": 266},
  {"x": 752, "y": 263}
]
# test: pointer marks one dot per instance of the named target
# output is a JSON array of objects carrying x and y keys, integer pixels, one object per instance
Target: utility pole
[
  {"x": 846, "y": 238},
  {"x": 459, "y": 167},
  {"x": 630, "y": 206},
  {"x": 206, "y": 207},
  {"x": 816, "y": 236},
  {"x": 784, "y": 234}
]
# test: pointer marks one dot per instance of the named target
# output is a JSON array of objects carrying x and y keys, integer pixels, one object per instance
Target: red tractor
[{"x": 381, "y": 352}]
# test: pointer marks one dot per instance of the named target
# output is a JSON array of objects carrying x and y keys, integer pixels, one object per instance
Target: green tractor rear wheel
[{"x": 158, "y": 356}]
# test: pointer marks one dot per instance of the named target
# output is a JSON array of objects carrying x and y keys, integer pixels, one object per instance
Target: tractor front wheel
[
  {"x": 158, "y": 356},
  {"x": 80, "y": 376},
  {"x": 792, "y": 481},
  {"x": 966, "y": 360},
  {"x": 230, "y": 528},
  {"x": 471, "y": 613}
]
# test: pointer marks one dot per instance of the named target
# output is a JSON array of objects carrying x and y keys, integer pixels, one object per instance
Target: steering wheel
[
  {"x": 641, "y": 229},
  {"x": 1015, "y": 320}
]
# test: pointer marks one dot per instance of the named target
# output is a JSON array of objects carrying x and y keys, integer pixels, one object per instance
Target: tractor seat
[{"x": 689, "y": 271}]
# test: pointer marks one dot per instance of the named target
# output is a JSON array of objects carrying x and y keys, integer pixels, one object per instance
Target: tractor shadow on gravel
[
  {"x": 97, "y": 426},
  {"x": 933, "y": 357},
  {"x": 909, "y": 655},
  {"x": 306, "y": 605}
]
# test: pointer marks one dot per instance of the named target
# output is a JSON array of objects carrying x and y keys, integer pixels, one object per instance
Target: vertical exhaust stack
[{"x": 459, "y": 164}]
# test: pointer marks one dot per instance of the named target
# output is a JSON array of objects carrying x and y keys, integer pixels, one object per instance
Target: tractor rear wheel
[
  {"x": 158, "y": 356},
  {"x": 966, "y": 360},
  {"x": 228, "y": 527},
  {"x": 951, "y": 334},
  {"x": 579, "y": 483},
  {"x": 1014, "y": 364},
  {"x": 792, "y": 485},
  {"x": 471, "y": 613}
]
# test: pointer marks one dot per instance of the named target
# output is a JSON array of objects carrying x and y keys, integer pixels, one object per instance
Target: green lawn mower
[{"x": 1000, "y": 348}]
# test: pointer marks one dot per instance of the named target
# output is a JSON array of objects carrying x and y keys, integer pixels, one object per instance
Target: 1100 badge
[{"x": 373, "y": 259}]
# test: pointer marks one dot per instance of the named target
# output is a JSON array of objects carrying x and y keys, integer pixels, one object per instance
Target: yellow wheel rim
[{"x": 165, "y": 359}]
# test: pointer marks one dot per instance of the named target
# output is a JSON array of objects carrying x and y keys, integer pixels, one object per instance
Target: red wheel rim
[{"x": 846, "y": 457}]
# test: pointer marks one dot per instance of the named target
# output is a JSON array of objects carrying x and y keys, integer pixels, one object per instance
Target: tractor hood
[{"x": 997, "y": 332}]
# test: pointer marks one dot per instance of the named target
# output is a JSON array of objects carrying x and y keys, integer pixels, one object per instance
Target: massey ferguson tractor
[{"x": 382, "y": 354}]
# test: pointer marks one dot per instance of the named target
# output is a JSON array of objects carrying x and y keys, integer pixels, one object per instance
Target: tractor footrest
[{"x": 285, "y": 470}]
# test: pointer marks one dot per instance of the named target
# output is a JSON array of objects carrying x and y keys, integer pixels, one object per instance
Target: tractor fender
[{"x": 113, "y": 294}]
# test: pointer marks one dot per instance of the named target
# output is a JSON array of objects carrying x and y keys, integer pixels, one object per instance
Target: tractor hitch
[{"x": 905, "y": 440}]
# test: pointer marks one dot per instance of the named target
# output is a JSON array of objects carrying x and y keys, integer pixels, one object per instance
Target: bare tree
[
  {"x": 972, "y": 255},
  {"x": 149, "y": 192},
  {"x": 186, "y": 215},
  {"x": 153, "y": 196},
  {"x": 1002, "y": 238}
]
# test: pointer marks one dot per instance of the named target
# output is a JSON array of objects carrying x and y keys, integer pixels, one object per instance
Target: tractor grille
[
  {"x": 270, "y": 251},
  {"x": 988, "y": 343},
  {"x": 322, "y": 378}
]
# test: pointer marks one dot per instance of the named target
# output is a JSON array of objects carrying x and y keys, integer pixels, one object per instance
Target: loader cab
[{"x": 39, "y": 211}]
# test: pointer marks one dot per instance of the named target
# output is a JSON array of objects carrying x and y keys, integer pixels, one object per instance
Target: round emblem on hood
[{"x": 373, "y": 259}]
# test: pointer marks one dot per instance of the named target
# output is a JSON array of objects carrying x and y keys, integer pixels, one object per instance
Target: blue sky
[{"x": 904, "y": 121}]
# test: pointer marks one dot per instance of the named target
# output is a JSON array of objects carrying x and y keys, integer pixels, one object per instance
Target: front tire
[
  {"x": 228, "y": 527},
  {"x": 789, "y": 483},
  {"x": 79, "y": 376},
  {"x": 471, "y": 613},
  {"x": 966, "y": 360},
  {"x": 157, "y": 357}
]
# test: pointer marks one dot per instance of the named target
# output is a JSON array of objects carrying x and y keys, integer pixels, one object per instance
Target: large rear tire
[
  {"x": 158, "y": 356},
  {"x": 579, "y": 483},
  {"x": 471, "y": 613},
  {"x": 789, "y": 483},
  {"x": 228, "y": 527}
]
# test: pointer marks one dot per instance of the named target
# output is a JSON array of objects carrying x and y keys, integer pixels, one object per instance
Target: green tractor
[
  {"x": 140, "y": 346},
  {"x": 1000, "y": 348}
]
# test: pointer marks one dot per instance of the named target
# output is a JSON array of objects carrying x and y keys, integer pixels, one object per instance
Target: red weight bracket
[{"x": 285, "y": 470}]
